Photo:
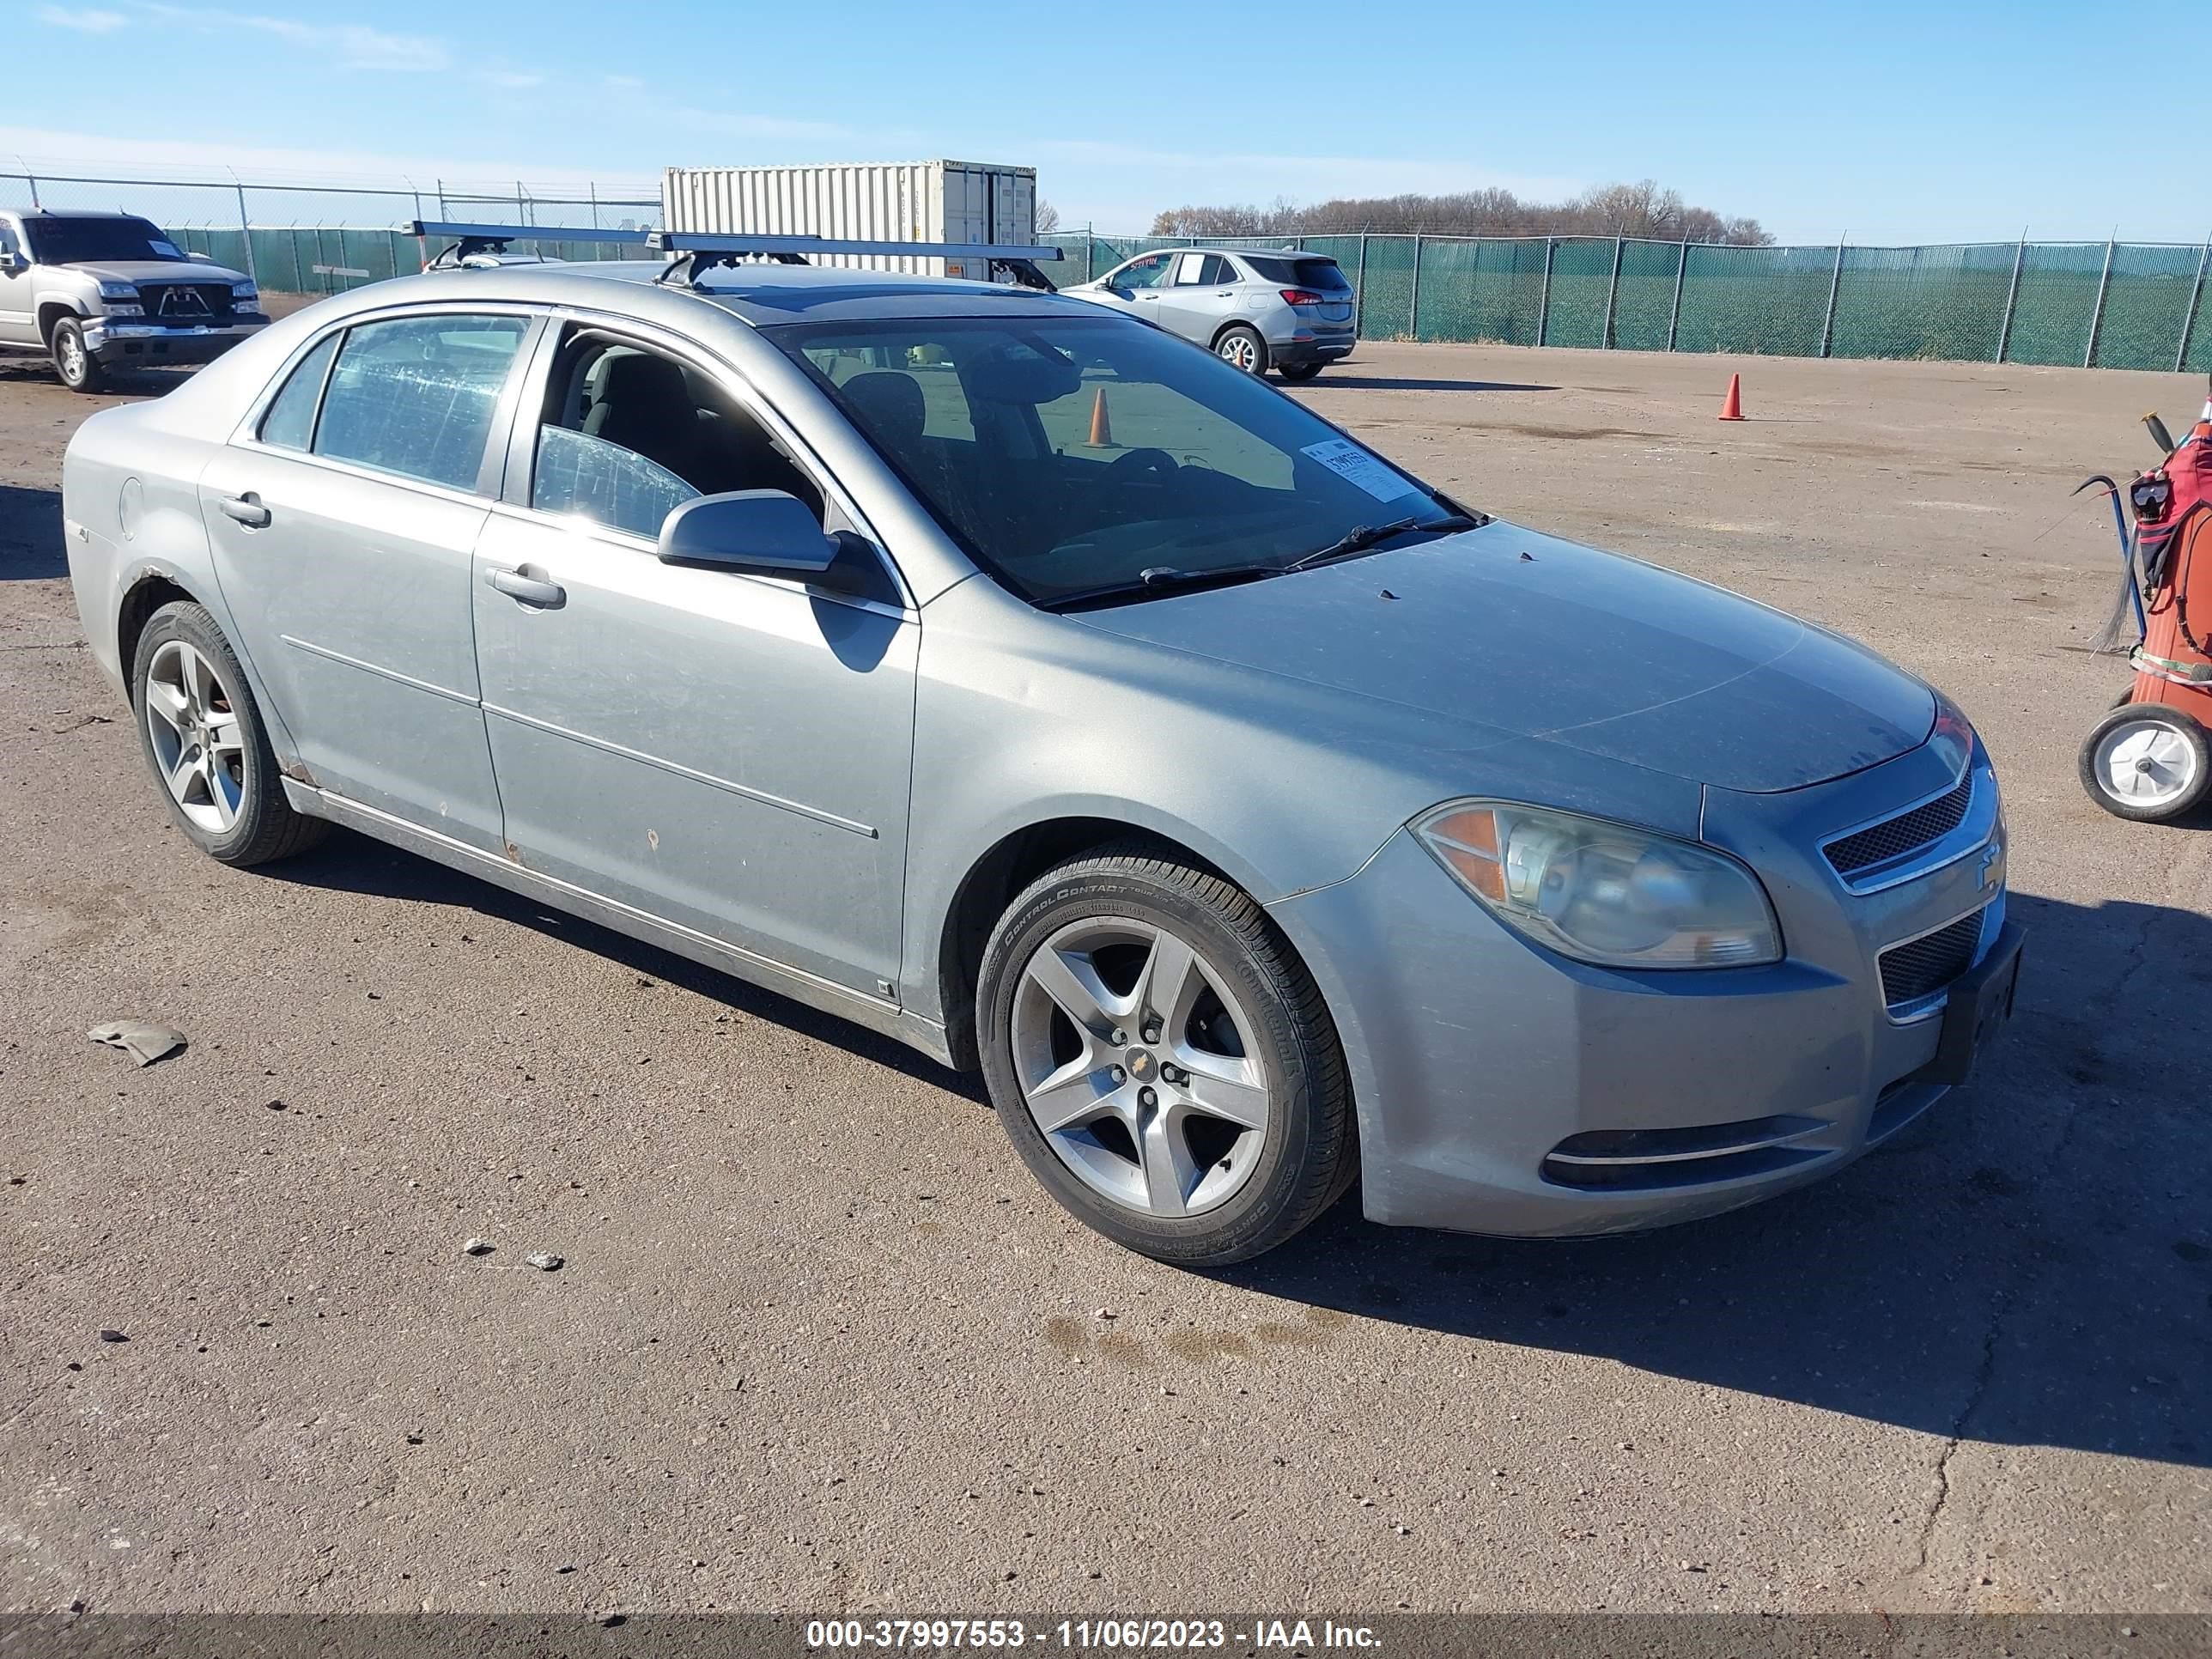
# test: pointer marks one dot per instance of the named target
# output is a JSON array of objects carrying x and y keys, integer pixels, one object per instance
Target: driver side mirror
[
  {"x": 761, "y": 532},
  {"x": 12, "y": 261}
]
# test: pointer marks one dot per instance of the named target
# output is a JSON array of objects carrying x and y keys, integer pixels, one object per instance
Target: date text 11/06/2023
[{"x": 826, "y": 1635}]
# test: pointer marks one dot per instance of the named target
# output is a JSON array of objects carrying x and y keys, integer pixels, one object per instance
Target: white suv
[{"x": 1293, "y": 312}]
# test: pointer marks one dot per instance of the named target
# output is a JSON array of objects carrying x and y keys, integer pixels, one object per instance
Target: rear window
[
  {"x": 1318, "y": 274},
  {"x": 415, "y": 395}
]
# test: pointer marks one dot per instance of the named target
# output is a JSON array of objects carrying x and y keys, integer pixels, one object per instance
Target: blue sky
[{"x": 1895, "y": 123}]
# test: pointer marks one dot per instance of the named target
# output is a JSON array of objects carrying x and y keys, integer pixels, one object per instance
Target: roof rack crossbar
[
  {"x": 695, "y": 253},
  {"x": 473, "y": 239}
]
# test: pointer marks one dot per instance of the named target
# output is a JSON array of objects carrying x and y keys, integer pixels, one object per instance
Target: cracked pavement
[{"x": 818, "y": 1343}]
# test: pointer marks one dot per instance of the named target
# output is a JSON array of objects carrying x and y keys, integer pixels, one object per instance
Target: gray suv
[
  {"x": 99, "y": 291},
  {"x": 1292, "y": 312}
]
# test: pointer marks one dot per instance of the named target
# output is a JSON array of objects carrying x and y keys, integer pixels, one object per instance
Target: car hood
[
  {"x": 1526, "y": 634},
  {"x": 156, "y": 271}
]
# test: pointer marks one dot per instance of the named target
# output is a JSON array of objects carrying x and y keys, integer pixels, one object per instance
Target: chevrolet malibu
[{"x": 1011, "y": 677}]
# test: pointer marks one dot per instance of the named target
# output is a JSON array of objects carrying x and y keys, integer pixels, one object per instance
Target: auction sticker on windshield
[{"x": 1355, "y": 465}]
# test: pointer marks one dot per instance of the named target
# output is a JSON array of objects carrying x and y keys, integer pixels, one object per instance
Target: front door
[
  {"x": 343, "y": 529},
  {"x": 18, "y": 319},
  {"x": 727, "y": 752}
]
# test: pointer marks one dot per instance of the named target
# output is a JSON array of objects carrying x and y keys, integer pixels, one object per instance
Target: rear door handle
[
  {"x": 246, "y": 509},
  {"x": 519, "y": 584}
]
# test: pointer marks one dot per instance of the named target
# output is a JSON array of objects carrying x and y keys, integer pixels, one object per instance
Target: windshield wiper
[
  {"x": 1159, "y": 581},
  {"x": 1361, "y": 537}
]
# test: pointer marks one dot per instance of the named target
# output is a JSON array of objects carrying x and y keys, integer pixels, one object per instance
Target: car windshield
[
  {"x": 67, "y": 241},
  {"x": 1075, "y": 457}
]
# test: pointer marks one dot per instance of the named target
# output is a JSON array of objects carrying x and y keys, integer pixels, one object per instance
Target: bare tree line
[{"x": 1640, "y": 210}]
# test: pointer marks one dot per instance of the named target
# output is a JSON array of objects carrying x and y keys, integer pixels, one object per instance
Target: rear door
[
  {"x": 343, "y": 517},
  {"x": 727, "y": 752},
  {"x": 1199, "y": 295}
]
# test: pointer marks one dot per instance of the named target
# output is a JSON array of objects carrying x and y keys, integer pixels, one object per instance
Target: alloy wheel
[
  {"x": 2146, "y": 764},
  {"x": 1239, "y": 351},
  {"x": 198, "y": 746},
  {"x": 1139, "y": 1065},
  {"x": 70, "y": 349}
]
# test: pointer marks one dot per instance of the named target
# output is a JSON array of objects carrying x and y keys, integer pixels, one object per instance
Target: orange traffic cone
[
  {"x": 1732, "y": 406},
  {"x": 1101, "y": 429}
]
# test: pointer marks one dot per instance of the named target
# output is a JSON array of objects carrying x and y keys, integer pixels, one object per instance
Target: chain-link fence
[
  {"x": 321, "y": 239},
  {"x": 2108, "y": 305}
]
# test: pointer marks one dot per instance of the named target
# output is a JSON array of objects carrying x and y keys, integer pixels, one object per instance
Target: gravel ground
[{"x": 818, "y": 1343}]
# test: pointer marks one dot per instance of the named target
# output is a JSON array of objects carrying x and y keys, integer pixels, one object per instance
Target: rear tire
[
  {"x": 80, "y": 371},
  {"x": 1298, "y": 372},
  {"x": 1221, "y": 1124},
  {"x": 204, "y": 739},
  {"x": 1241, "y": 348},
  {"x": 2148, "y": 763}
]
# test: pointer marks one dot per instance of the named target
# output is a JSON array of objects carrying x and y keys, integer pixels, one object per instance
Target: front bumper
[
  {"x": 1504, "y": 1089},
  {"x": 131, "y": 343}
]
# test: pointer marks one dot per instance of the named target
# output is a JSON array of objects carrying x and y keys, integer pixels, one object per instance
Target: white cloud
[
  {"x": 732, "y": 124},
  {"x": 356, "y": 45},
  {"x": 47, "y": 149},
  {"x": 91, "y": 22},
  {"x": 510, "y": 80},
  {"x": 626, "y": 83}
]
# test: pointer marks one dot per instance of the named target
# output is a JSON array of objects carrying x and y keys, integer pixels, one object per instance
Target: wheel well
[
  {"x": 1237, "y": 322},
  {"x": 147, "y": 596},
  {"x": 50, "y": 313},
  {"x": 990, "y": 886}
]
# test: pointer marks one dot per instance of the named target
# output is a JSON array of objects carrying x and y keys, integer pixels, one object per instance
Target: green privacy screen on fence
[
  {"x": 2112, "y": 305},
  {"x": 2121, "y": 306}
]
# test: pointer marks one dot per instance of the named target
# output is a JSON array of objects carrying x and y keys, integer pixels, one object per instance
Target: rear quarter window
[
  {"x": 290, "y": 421},
  {"x": 1324, "y": 276}
]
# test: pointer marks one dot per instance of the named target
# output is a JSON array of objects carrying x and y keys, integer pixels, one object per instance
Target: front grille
[
  {"x": 185, "y": 302},
  {"x": 1923, "y": 966},
  {"x": 1899, "y": 835}
]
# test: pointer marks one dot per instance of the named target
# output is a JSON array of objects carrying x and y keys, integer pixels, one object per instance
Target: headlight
[
  {"x": 118, "y": 291},
  {"x": 1604, "y": 892},
  {"x": 243, "y": 291}
]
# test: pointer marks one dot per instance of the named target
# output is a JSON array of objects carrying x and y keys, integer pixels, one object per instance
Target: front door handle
[
  {"x": 535, "y": 591},
  {"x": 246, "y": 509}
]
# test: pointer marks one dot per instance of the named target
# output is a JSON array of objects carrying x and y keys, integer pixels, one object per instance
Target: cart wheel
[{"x": 2148, "y": 762}]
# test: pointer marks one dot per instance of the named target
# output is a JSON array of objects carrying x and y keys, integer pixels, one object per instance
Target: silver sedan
[{"x": 1020, "y": 681}]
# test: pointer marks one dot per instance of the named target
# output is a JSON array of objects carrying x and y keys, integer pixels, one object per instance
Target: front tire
[
  {"x": 1241, "y": 348},
  {"x": 80, "y": 371},
  {"x": 2149, "y": 763},
  {"x": 1297, "y": 373},
  {"x": 1162, "y": 1062},
  {"x": 203, "y": 738}
]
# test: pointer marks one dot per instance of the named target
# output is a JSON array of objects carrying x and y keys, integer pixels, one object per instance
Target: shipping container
[{"x": 898, "y": 201}]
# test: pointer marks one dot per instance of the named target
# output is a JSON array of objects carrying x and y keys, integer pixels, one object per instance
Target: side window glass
[
  {"x": 1190, "y": 270},
  {"x": 414, "y": 396},
  {"x": 1218, "y": 271},
  {"x": 629, "y": 436},
  {"x": 290, "y": 421},
  {"x": 1146, "y": 273}
]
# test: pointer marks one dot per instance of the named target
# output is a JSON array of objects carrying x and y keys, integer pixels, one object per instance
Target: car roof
[
  {"x": 76, "y": 213},
  {"x": 761, "y": 295},
  {"x": 1244, "y": 252}
]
